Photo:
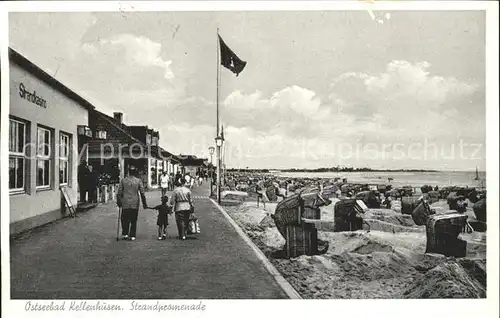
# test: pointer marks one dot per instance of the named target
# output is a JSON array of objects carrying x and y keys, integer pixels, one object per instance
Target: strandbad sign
[{"x": 32, "y": 97}]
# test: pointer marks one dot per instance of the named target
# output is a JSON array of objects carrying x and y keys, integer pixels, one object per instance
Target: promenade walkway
[{"x": 81, "y": 259}]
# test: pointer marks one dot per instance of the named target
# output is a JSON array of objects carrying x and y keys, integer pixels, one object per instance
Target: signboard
[
  {"x": 101, "y": 134},
  {"x": 154, "y": 141},
  {"x": 67, "y": 201},
  {"x": 84, "y": 131},
  {"x": 31, "y": 96}
]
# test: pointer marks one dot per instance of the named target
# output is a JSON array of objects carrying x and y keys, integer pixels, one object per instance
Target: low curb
[{"x": 282, "y": 282}]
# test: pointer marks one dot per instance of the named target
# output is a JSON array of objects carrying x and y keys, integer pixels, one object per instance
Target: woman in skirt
[{"x": 182, "y": 205}]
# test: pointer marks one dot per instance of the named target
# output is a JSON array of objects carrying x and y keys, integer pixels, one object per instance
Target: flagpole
[
  {"x": 218, "y": 73},
  {"x": 218, "y": 147}
]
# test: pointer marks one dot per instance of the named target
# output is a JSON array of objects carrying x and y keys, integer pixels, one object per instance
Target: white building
[{"x": 43, "y": 139}]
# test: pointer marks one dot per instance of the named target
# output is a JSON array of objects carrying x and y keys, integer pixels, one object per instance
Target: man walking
[{"x": 130, "y": 189}]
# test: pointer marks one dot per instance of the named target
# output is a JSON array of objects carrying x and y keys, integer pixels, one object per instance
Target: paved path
[{"x": 81, "y": 259}]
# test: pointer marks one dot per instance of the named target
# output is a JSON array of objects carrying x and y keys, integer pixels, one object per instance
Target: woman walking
[{"x": 182, "y": 204}]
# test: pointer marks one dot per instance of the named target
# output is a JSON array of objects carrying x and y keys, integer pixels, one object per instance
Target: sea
[{"x": 414, "y": 179}]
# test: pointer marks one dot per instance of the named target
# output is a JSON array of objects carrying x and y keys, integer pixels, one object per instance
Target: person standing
[
  {"x": 164, "y": 183},
  {"x": 129, "y": 191},
  {"x": 183, "y": 207},
  {"x": 83, "y": 172},
  {"x": 178, "y": 179},
  {"x": 188, "y": 178},
  {"x": 92, "y": 180},
  {"x": 171, "y": 182}
]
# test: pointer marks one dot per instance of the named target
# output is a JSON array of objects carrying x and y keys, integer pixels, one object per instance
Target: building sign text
[{"x": 32, "y": 97}]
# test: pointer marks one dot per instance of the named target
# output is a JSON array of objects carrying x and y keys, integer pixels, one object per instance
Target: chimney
[{"x": 118, "y": 117}]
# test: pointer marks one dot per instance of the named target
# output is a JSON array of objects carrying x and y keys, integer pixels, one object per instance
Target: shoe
[
  {"x": 160, "y": 238},
  {"x": 125, "y": 237},
  {"x": 183, "y": 238},
  {"x": 132, "y": 238},
  {"x": 164, "y": 235}
]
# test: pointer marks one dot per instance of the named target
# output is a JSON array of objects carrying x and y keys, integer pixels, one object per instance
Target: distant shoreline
[
  {"x": 320, "y": 170},
  {"x": 348, "y": 170},
  {"x": 357, "y": 170}
]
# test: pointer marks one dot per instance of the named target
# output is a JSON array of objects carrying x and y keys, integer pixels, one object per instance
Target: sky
[{"x": 403, "y": 90}]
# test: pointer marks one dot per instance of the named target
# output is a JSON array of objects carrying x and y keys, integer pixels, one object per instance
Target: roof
[
  {"x": 44, "y": 76},
  {"x": 164, "y": 154},
  {"x": 122, "y": 128},
  {"x": 191, "y": 160},
  {"x": 118, "y": 140},
  {"x": 121, "y": 139}
]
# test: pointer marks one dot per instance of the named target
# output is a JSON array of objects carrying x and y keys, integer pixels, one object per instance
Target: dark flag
[
  {"x": 222, "y": 132},
  {"x": 229, "y": 60}
]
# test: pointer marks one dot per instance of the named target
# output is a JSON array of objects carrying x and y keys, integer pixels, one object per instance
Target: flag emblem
[{"x": 229, "y": 59}]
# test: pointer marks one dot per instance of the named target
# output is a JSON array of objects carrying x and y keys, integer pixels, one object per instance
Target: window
[
  {"x": 64, "y": 158},
  {"x": 17, "y": 156},
  {"x": 43, "y": 157}
]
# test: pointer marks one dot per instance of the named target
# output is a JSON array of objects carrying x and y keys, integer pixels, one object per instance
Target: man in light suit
[{"x": 129, "y": 191}]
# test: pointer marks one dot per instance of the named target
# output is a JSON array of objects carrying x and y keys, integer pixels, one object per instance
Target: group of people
[
  {"x": 87, "y": 182},
  {"x": 131, "y": 192},
  {"x": 168, "y": 182}
]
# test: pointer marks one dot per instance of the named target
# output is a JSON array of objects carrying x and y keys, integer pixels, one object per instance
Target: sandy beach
[{"x": 387, "y": 262}]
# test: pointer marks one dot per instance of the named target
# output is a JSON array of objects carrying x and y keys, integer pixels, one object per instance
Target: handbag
[{"x": 194, "y": 225}]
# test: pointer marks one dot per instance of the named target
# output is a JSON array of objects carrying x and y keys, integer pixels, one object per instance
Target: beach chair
[
  {"x": 442, "y": 232},
  {"x": 295, "y": 218},
  {"x": 347, "y": 215}
]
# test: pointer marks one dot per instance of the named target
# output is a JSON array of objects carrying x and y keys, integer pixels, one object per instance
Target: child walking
[{"x": 163, "y": 211}]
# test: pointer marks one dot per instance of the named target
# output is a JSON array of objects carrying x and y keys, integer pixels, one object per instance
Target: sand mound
[
  {"x": 358, "y": 266},
  {"x": 389, "y": 216},
  {"x": 248, "y": 213},
  {"x": 373, "y": 246},
  {"x": 409, "y": 244},
  {"x": 379, "y": 219},
  {"x": 476, "y": 244},
  {"x": 267, "y": 222},
  {"x": 464, "y": 278},
  {"x": 272, "y": 238},
  {"x": 376, "y": 225}
]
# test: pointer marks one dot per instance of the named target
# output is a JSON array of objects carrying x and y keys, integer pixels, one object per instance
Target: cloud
[
  {"x": 135, "y": 62},
  {"x": 406, "y": 98},
  {"x": 137, "y": 76},
  {"x": 29, "y": 32},
  {"x": 403, "y": 101},
  {"x": 405, "y": 104},
  {"x": 139, "y": 51},
  {"x": 291, "y": 111}
]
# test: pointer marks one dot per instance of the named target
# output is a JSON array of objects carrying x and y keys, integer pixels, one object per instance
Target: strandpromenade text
[{"x": 93, "y": 306}]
